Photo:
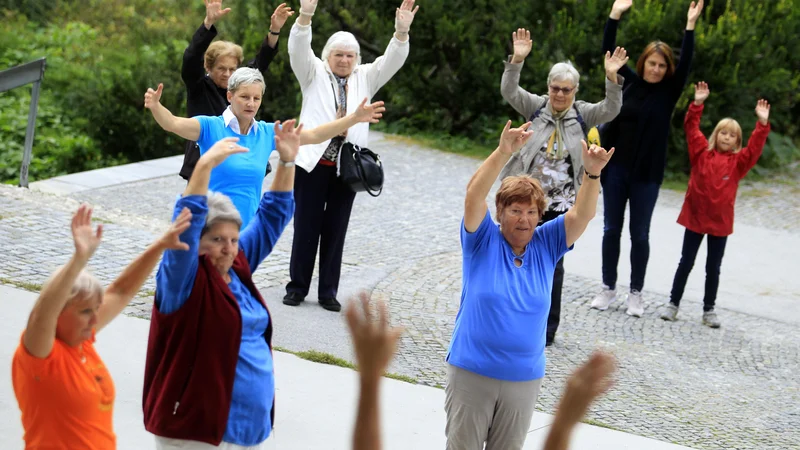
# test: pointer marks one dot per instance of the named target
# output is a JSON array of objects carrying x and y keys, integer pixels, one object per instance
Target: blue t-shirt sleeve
[
  {"x": 260, "y": 235},
  {"x": 205, "y": 132},
  {"x": 553, "y": 236},
  {"x": 471, "y": 241},
  {"x": 178, "y": 268}
]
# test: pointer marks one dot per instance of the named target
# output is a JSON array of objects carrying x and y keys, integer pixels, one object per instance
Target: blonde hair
[
  {"x": 220, "y": 49},
  {"x": 85, "y": 287},
  {"x": 730, "y": 125},
  {"x": 522, "y": 189}
]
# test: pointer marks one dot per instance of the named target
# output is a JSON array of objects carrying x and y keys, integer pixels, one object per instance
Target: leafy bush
[{"x": 102, "y": 55}]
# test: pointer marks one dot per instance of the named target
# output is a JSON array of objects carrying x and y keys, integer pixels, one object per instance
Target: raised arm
[
  {"x": 695, "y": 140},
  {"x": 40, "y": 332},
  {"x": 301, "y": 56},
  {"x": 269, "y": 46},
  {"x": 577, "y": 218},
  {"x": 610, "y": 34},
  {"x": 511, "y": 140},
  {"x": 387, "y": 65},
  {"x": 748, "y": 157},
  {"x": 521, "y": 100},
  {"x": 186, "y": 128},
  {"x": 587, "y": 382},
  {"x": 687, "y": 50},
  {"x": 375, "y": 343},
  {"x": 176, "y": 274},
  {"x": 607, "y": 109},
  {"x": 119, "y": 294},
  {"x": 193, "y": 68},
  {"x": 371, "y": 113}
]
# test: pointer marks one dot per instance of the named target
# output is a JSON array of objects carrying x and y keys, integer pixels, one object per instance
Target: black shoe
[
  {"x": 548, "y": 340},
  {"x": 293, "y": 299},
  {"x": 330, "y": 304}
]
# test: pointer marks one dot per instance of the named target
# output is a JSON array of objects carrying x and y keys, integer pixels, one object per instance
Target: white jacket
[{"x": 319, "y": 88}]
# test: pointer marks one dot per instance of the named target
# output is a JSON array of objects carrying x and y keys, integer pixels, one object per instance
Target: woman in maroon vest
[{"x": 208, "y": 377}]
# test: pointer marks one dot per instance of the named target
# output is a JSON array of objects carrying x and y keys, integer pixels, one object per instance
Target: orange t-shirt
[{"x": 66, "y": 399}]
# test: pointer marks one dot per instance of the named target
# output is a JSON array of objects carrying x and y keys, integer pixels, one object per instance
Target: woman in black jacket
[
  {"x": 639, "y": 133},
  {"x": 207, "y": 67}
]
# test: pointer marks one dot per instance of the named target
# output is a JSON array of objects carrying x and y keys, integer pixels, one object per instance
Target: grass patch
[
  {"x": 101, "y": 220},
  {"x": 599, "y": 424},
  {"x": 755, "y": 193},
  {"x": 147, "y": 293},
  {"x": 446, "y": 143},
  {"x": 677, "y": 185},
  {"x": 33, "y": 287},
  {"x": 327, "y": 358}
]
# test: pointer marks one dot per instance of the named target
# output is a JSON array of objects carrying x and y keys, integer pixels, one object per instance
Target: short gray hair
[
  {"x": 342, "y": 40},
  {"x": 85, "y": 287},
  {"x": 244, "y": 76},
  {"x": 221, "y": 209},
  {"x": 564, "y": 71}
]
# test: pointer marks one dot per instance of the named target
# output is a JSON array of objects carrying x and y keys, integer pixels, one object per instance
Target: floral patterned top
[{"x": 554, "y": 171}]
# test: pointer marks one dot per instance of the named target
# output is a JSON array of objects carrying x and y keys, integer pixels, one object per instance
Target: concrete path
[{"x": 316, "y": 403}]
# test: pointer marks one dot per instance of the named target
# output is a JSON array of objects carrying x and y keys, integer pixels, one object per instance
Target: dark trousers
[
  {"x": 554, "y": 318},
  {"x": 716, "y": 249},
  {"x": 322, "y": 212},
  {"x": 618, "y": 190}
]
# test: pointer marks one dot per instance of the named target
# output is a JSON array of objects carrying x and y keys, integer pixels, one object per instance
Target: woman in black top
[
  {"x": 639, "y": 133},
  {"x": 207, "y": 67}
]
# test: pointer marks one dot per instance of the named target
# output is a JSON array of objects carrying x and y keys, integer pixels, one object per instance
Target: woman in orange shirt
[{"x": 64, "y": 390}]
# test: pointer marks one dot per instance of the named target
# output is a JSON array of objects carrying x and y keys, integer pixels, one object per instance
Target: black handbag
[{"x": 361, "y": 169}]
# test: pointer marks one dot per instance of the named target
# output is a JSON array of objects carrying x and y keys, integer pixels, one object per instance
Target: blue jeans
[{"x": 618, "y": 190}]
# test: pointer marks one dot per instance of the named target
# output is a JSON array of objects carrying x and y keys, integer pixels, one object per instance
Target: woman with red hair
[{"x": 639, "y": 134}]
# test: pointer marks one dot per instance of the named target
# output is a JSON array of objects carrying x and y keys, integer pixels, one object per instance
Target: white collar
[{"x": 231, "y": 121}]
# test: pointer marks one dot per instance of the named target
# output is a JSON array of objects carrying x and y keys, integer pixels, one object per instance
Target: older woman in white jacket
[{"x": 331, "y": 86}]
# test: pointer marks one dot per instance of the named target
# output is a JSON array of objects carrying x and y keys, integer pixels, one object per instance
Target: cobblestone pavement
[{"x": 735, "y": 387}]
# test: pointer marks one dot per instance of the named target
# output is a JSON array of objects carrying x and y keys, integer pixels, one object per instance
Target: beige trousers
[{"x": 485, "y": 410}]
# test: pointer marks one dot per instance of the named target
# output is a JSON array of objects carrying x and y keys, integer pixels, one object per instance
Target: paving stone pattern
[{"x": 732, "y": 388}]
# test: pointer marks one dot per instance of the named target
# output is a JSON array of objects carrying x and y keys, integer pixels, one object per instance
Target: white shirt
[
  {"x": 320, "y": 90},
  {"x": 231, "y": 121}
]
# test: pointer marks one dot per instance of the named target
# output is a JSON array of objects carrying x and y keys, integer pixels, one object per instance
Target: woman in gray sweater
[{"x": 559, "y": 123}]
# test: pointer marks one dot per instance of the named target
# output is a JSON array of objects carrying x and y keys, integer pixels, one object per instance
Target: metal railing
[{"x": 32, "y": 72}]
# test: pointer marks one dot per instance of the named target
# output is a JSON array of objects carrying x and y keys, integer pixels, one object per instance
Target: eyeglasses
[{"x": 566, "y": 91}]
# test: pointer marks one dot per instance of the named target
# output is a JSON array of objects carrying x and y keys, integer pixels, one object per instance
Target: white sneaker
[
  {"x": 605, "y": 298},
  {"x": 635, "y": 304}
]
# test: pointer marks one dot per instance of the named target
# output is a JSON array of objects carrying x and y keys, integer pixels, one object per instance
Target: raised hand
[
  {"x": 222, "y": 149},
  {"x": 153, "y": 98},
  {"x": 404, "y": 16},
  {"x": 278, "y": 19},
  {"x": 619, "y": 7},
  {"x": 308, "y": 7},
  {"x": 287, "y": 140},
  {"x": 762, "y": 111},
  {"x": 701, "y": 92},
  {"x": 513, "y": 139},
  {"x": 615, "y": 61},
  {"x": 695, "y": 8},
  {"x": 375, "y": 342},
  {"x": 522, "y": 45},
  {"x": 214, "y": 12},
  {"x": 171, "y": 240},
  {"x": 586, "y": 383},
  {"x": 595, "y": 158},
  {"x": 85, "y": 238},
  {"x": 371, "y": 113}
]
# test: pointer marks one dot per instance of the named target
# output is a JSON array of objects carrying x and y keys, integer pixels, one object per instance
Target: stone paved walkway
[{"x": 736, "y": 387}]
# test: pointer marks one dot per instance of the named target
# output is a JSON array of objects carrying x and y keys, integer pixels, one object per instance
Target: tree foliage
[{"x": 103, "y": 54}]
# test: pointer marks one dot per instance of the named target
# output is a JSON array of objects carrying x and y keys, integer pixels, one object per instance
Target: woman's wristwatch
[
  {"x": 283, "y": 163},
  {"x": 592, "y": 177}
]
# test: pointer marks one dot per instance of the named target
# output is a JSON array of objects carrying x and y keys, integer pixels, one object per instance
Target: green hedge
[{"x": 102, "y": 55}]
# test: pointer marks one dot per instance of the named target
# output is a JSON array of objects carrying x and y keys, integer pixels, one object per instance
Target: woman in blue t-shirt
[
  {"x": 241, "y": 176},
  {"x": 496, "y": 357}
]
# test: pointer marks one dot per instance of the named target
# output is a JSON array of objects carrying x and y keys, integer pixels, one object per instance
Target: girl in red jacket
[{"x": 718, "y": 165}]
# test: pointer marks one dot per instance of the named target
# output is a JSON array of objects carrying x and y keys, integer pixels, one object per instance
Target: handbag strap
[{"x": 360, "y": 169}]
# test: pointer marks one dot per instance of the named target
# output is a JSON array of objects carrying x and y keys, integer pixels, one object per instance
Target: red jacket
[
  {"x": 708, "y": 206},
  {"x": 191, "y": 358}
]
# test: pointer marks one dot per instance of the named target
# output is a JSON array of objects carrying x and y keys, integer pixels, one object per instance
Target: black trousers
[
  {"x": 321, "y": 215},
  {"x": 554, "y": 318},
  {"x": 716, "y": 250}
]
